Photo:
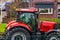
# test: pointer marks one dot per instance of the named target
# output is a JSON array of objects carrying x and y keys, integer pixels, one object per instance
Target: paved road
[{"x": 1, "y": 38}]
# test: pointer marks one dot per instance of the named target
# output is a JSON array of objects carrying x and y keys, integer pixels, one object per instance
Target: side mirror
[{"x": 37, "y": 13}]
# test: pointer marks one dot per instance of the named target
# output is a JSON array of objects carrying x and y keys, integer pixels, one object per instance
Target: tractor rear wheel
[
  {"x": 53, "y": 36},
  {"x": 17, "y": 34}
]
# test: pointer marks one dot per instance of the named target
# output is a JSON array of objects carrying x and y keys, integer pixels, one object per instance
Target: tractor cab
[{"x": 27, "y": 16}]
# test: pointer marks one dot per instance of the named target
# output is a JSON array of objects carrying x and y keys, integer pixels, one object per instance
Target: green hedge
[
  {"x": 2, "y": 27},
  {"x": 57, "y": 20}
]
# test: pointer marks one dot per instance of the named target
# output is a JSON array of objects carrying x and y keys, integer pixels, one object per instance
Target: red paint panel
[
  {"x": 46, "y": 26},
  {"x": 32, "y": 9},
  {"x": 17, "y": 24}
]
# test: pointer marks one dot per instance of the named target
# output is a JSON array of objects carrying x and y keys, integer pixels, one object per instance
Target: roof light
[
  {"x": 14, "y": 7},
  {"x": 17, "y": 9},
  {"x": 32, "y": 8},
  {"x": 24, "y": 9}
]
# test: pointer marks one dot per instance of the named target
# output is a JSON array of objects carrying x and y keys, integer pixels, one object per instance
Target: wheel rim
[
  {"x": 54, "y": 38},
  {"x": 18, "y": 36}
]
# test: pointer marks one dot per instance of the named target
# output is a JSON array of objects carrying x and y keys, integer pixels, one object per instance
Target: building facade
[
  {"x": 3, "y": 12},
  {"x": 58, "y": 8},
  {"x": 47, "y": 8}
]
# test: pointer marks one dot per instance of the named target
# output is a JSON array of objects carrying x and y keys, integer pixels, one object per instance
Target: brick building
[
  {"x": 58, "y": 8},
  {"x": 47, "y": 8},
  {"x": 3, "y": 13}
]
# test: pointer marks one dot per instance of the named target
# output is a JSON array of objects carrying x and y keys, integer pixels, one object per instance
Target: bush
[
  {"x": 2, "y": 27},
  {"x": 57, "y": 20}
]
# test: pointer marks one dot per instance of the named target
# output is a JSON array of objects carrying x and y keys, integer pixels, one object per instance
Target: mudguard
[
  {"x": 51, "y": 31},
  {"x": 17, "y": 24}
]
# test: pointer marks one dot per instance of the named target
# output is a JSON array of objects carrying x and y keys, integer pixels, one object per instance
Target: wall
[
  {"x": 44, "y": 0},
  {"x": 2, "y": 1},
  {"x": 54, "y": 14},
  {"x": 58, "y": 0}
]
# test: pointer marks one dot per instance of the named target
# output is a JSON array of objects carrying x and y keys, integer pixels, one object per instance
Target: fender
[
  {"x": 45, "y": 26},
  {"x": 17, "y": 24},
  {"x": 51, "y": 31}
]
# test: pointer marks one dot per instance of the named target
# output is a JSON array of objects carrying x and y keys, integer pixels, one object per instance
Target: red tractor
[{"x": 27, "y": 27}]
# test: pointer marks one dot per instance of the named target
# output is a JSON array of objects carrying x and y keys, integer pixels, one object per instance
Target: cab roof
[{"x": 26, "y": 9}]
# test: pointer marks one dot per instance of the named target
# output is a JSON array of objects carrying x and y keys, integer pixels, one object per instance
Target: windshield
[{"x": 26, "y": 17}]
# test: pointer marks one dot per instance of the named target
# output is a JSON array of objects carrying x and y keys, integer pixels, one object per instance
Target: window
[
  {"x": 46, "y": 10},
  {"x": 58, "y": 7},
  {"x": 26, "y": 17},
  {"x": 58, "y": 10},
  {"x": 25, "y": 0}
]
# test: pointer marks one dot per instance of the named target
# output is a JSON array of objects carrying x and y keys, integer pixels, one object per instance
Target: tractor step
[{"x": 36, "y": 36}]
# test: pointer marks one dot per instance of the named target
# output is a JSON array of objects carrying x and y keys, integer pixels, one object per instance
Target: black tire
[
  {"x": 17, "y": 34},
  {"x": 53, "y": 36}
]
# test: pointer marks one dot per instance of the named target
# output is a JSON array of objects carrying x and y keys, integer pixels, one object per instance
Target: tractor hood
[
  {"x": 48, "y": 22},
  {"x": 46, "y": 26}
]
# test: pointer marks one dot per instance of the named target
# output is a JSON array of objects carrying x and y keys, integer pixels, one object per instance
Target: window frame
[
  {"x": 47, "y": 12},
  {"x": 25, "y": 0}
]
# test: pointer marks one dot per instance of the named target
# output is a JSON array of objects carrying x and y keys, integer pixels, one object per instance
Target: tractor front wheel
[
  {"x": 17, "y": 34},
  {"x": 53, "y": 36}
]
